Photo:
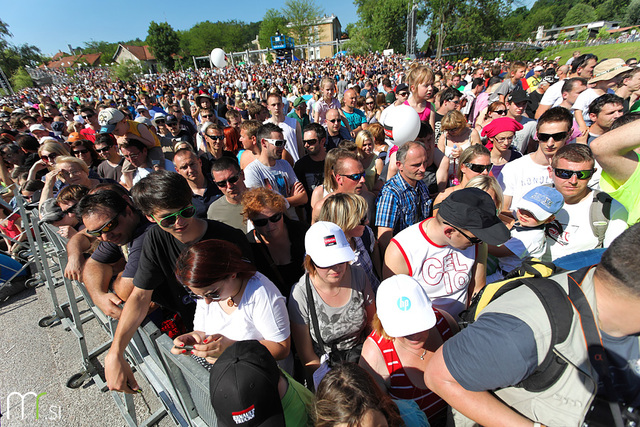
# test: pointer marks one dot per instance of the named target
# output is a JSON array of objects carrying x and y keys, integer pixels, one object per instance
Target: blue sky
[{"x": 52, "y": 25}]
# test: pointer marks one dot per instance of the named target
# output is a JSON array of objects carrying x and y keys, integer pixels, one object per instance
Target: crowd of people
[{"x": 265, "y": 217}]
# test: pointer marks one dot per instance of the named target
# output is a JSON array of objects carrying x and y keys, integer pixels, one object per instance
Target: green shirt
[
  {"x": 628, "y": 193},
  {"x": 297, "y": 403}
]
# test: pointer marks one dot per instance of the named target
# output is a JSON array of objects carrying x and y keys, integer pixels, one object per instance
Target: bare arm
[
  {"x": 146, "y": 135},
  {"x": 117, "y": 370},
  {"x": 394, "y": 262},
  {"x": 506, "y": 203},
  {"x": 304, "y": 346},
  {"x": 96, "y": 278},
  {"x": 541, "y": 110},
  {"x": 384, "y": 237},
  {"x": 298, "y": 195},
  {"x": 577, "y": 114},
  {"x": 76, "y": 247},
  {"x": 372, "y": 361},
  {"x": 482, "y": 407},
  {"x": 442, "y": 174},
  {"x": 299, "y": 139},
  {"x": 614, "y": 151}
]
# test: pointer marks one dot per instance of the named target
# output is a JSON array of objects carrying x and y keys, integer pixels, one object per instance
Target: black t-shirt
[
  {"x": 438, "y": 124},
  {"x": 532, "y": 106},
  {"x": 311, "y": 174},
  {"x": 430, "y": 179},
  {"x": 202, "y": 203},
  {"x": 156, "y": 267}
]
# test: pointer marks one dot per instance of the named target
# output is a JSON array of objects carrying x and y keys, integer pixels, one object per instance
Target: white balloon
[
  {"x": 401, "y": 124},
  {"x": 218, "y": 58}
]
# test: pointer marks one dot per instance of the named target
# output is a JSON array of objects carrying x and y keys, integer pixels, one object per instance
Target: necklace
[
  {"x": 326, "y": 293},
  {"x": 421, "y": 356},
  {"x": 230, "y": 301}
]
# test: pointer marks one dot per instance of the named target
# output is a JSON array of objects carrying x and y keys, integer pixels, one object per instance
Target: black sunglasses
[
  {"x": 333, "y": 121},
  {"x": 501, "y": 112},
  {"x": 104, "y": 149},
  {"x": 171, "y": 219},
  {"x": 473, "y": 240},
  {"x": 568, "y": 173},
  {"x": 310, "y": 141},
  {"x": 50, "y": 158},
  {"x": 88, "y": 116},
  {"x": 211, "y": 295},
  {"x": 479, "y": 168},
  {"x": 263, "y": 221},
  {"x": 110, "y": 225},
  {"x": 354, "y": 176},
  {"x": 231, "y": 180},
  {"x": 215, "y": 137},
  {"x": 77, "y": 152},
  {"x": 558, "y": 136}
]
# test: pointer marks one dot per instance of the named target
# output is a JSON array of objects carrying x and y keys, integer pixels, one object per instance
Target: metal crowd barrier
[{"x": 179, "y": 382}]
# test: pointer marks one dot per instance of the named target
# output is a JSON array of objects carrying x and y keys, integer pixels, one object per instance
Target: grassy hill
[{"x": 614, "y": 50}]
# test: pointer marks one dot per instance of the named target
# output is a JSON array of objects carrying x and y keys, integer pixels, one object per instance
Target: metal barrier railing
[{"x": 180, "y": 383}]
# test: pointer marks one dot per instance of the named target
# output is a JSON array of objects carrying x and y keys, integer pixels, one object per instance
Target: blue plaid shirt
[{"x": 401, "y": 205}]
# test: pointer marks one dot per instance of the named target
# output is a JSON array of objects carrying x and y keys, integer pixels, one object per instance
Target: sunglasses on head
[
  {"x": 353, "y": 176},
  {"x": 231, "y": 180},
  {"x": 276, "y": 142},
  {"x": 107, "y": 227},
  {"x": 558, "y": 136},
  {"x": 263, "y": 221},
  {"x": 479, "y": 168},
  {"x": 169, "y": 220},
  {"x": 78, "y": 152},
  {"x": 50, "y": 158},
  {"x": 568, "y": 173},
  {"x": 472, "y": 240}
]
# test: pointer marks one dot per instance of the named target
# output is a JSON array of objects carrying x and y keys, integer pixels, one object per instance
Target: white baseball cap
[
  {"x": 327, "y": 245},
  {"x": 403, "y": 307}
]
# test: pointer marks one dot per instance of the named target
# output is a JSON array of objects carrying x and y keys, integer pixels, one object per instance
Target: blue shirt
[
  {"x": 401, "y": 205},
  {"x": 355, "y": 119}
]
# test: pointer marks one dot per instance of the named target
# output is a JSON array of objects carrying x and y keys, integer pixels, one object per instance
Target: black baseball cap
[
  {"x": 517, "y": 96},
  {"x": 244, "y": 387},
  {"x": 473, "y": 209}
]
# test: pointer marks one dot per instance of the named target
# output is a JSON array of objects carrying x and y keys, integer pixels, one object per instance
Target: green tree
[
  {"x": 127, "y": 70},
  {"x": 583, "y": 34},
  {"x": 164, "y": 42},
  {"x": 273, "y": 21},
  {"x": 21, "y": 79},
  {"x": 302, "y": 16},
  {"x": 383, "y": 24},
  {"x": 105, "y": 48},
  {"x": 632, "y": 17},
  {"x": 14, "y": 57},
  {"x": 579, "y": 14},
  {"x": 603, "y": 33},
  {"x": 358, "y": 43}
]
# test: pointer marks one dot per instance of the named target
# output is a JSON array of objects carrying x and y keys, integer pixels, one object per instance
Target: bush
[{"x": 21, "y": 79}]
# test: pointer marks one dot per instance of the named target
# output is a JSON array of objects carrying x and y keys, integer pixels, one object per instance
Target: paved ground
[{"x": 41, "y": 360}]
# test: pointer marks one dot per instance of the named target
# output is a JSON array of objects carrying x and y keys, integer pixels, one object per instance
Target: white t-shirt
[
  {"x": 524, "y": 242},
  {"x": 261, "y": 314},
  {"x": 553, "y": 96},
  {"x": 577, "y": 234},
  {"x": 583, "y": 102},
  {"x": 443, "y": 272},
  {"x": 279, "y": 178},
  {"x": 142, "y": 172},
  {"x": 521, "y": 175}
]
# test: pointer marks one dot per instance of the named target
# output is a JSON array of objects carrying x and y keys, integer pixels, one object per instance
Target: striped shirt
[{"x": 401, "y": 386}]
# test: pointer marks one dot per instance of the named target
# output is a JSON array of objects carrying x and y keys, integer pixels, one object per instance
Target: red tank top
[{"x": 401, "y": 386}]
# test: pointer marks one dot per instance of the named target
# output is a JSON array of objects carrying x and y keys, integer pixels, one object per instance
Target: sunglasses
[
  {"x": 354, "y": 176},
  {"x": 263, "y": 221},
  {"x": 369, "y": 103},
  {"x": 403, "y": 93},
  {"x": 50, "y": 158},
  {"x": 276, "y": 142},
  {"x": 169, "y": 220},
  {"x": 231, "y": 180},
  {"x": 103, "y": 149},
  {"x": 473, "y": 240},
  {"x": 211, "y": 295},
  {"x": 479, "y": 168},
  {"x": 501, "y": 112},
  {"x": 205, "y": 116},
  {"x": 110, "y": 225},
  {"x": 333, "y": 121},
  {"x": 78, "y": 152},
  {"x": 364, "y": 220},
  {"x": 568, "y": 173},
  {"x": 160, "y": 122},
  {"x": 215, "y": 137},
  {"x": 559, "y": 136},
  {"x": 88, "y": 116},
  {"x": 310, "y": 141}
]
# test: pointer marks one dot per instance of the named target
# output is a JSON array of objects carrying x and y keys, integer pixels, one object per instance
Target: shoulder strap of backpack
[{"x": 600, "y": 214}]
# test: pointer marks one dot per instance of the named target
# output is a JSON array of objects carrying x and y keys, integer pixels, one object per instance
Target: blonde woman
[
  {"x": 349, "y": 212},
  {"x": 365, "y": 144}
]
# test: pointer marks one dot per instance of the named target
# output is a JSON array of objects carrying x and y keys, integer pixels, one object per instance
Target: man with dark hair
[
  {"x": 164, "y": 198},
  {"x": 471, "y": 94},
  {"x": 290, "y": 127},
  {"x": 205, "y": 192},
  {"x": 229, "y": 178},
  {"x": 310, "y": 168},
  {"x": 92, "y": 126},
  {"x": 516, "y": 102},
  {"x": 603, "y": 111},
  {"x": 404, "y": 199},
  {"x": 582, "y": 67},
  {"x": 570, "y": 170},
  {"x": 107, "y": 149},
  {"x": 521, "y": 175},
  {"x": 449, "y": 101},
  {"x": 571, "y": 88},
  {"x": 602, "y": 339},
  {"x": 270, "y": 171},
  {"x": 137, "y": 153},
  {"x": 109, "y": 217}
]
